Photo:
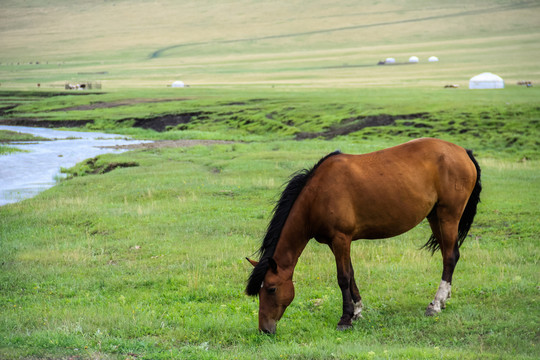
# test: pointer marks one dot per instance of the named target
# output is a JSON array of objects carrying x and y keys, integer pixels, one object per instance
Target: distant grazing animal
[
  {"x": 371, "y": 196},
  {"x": 75, "y": 86}
]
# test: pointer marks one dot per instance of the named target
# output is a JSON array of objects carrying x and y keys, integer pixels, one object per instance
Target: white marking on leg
[
  {"x": 443, "y": 294},
  {"x": 357, "y": 310}
]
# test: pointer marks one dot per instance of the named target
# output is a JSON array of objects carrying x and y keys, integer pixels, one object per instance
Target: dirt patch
[
  {"x": 350, "y": 125},
  {"x": 91, "y": 167},
  {"x": 114, "y": 165},
  {"x": 164, "y": 122},
  {"x": 30, "y": 122},
  {"x": 112, "y": 104},
  {"x": 7, "y": 109},
  {"x": 169, "y": 144},
  {"x": 158, "y": 123},
  {"x": 43, "y": 94}
]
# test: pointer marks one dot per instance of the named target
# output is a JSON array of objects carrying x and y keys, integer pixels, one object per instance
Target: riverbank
[{"x": 36, "y": 165}]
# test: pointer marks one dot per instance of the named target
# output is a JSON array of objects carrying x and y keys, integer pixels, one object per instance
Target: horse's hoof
[
  {"x": 344, "y": 327},
  {"x": 431, "y": 310}
]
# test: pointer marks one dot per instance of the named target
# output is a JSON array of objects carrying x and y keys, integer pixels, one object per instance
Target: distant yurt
[
  {"x": 486, "y": 80},
  {"x": 390, "y": 61},
  {"x": 178, "y": 84},
  {"x": 413, "y": 59},
  {"x": 433, "y": 59}
]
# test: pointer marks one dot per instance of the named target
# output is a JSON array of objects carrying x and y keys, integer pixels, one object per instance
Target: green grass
[
  {"x": 7, "y": 136},
  {"x": 148, "y": 262},
  {"x": 497, "y": 123},
  {"x": 12, "y": 136},
  {"x": 7, "y": 150}
]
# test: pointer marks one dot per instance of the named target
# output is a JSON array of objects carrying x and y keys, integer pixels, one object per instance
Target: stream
[{"x": 25, "y": 174}]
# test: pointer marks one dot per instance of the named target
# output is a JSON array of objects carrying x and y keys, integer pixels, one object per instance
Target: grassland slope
[{"x": 323, "y": 43}]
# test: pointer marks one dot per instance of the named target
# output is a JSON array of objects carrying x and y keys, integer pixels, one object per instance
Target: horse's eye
[{"x": 272, "y": 290}]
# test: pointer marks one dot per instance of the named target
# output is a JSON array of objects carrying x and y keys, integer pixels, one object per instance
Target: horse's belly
[
  {"x": 383, "y": 231},
  {"x": 391, "y": 220}
]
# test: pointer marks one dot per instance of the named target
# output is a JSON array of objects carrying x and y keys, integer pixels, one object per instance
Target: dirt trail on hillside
[{"x": 479, "y": 11}]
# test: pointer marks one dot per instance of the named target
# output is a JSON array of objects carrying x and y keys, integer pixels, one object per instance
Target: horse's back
[{"x": 388, "y": 192}]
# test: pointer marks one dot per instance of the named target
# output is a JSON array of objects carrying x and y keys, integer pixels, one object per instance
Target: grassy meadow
[
  {"x": 148, "y": 261},
  {"x": 246, "y": 43}
]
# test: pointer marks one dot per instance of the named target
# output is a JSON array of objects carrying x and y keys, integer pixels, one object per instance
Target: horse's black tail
[
  {"x": 470, "y": 209},
  {"x": 468, "y": 214}
]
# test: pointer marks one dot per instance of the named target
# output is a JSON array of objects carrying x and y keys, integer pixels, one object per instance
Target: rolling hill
[{"x": 247, "y": 42}]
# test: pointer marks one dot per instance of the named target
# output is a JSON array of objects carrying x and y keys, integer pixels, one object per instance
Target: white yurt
[
  {"x": 433, "y": 59},
  {"x": 413, "y": 59},
  {"x": 390, "y": 61},
  {"x": 178, "y": 84},
  {"x": 486, "y": 80}
]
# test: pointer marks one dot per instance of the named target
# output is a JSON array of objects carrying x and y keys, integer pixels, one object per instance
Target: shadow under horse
[{"x": 371, "y": 196}]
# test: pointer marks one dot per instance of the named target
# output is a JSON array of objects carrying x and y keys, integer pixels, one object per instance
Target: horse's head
[{"x": 275, "y": 294}]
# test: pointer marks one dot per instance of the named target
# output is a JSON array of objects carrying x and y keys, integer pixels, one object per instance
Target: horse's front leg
[{"x": 341, "y": 246}]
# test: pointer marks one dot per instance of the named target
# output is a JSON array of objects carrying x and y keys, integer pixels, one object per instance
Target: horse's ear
[
  {"x": 252, "y": 262},
  {"x": 273, "y": 265}
]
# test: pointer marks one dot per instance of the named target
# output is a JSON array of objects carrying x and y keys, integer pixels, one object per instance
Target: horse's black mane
[{"x": 280, "y": 214}]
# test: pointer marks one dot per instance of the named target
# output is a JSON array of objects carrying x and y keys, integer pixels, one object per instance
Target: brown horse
[{"x": 371, "y": 196}]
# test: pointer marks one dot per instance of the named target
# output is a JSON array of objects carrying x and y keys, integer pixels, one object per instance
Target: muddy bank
[
  {"x": 353, "y": 124},
  {"x": 39, "y": 123},
  {"x": 159, "y": 123},
  {"x": 236, "y": 118},
  {"x": 164, "y": 122}
]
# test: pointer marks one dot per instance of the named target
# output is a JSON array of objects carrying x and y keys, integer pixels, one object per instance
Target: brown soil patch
[
  {"x": 358, "y": 123},
  {"x": 32, "y": 122},
  {"x": 108, "y": 167},
  {"x": 163, "y": 122}
]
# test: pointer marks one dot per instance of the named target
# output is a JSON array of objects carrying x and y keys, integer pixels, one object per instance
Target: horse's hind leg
[
  {"x": 356, "y": 298},
  {"x": 446, "y": 232}
]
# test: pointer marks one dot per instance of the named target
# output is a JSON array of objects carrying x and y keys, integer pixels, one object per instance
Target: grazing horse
[{"x": 371, "y": 196}]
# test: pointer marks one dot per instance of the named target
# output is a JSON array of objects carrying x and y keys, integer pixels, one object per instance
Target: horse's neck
[{"x": 292, "y": 242}]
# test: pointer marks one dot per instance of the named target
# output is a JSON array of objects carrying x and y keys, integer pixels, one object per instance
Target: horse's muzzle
[{"x": 268, "y": 328}]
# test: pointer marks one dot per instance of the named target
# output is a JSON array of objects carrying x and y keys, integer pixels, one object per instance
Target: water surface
[{"x": 25, "y": 174}]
